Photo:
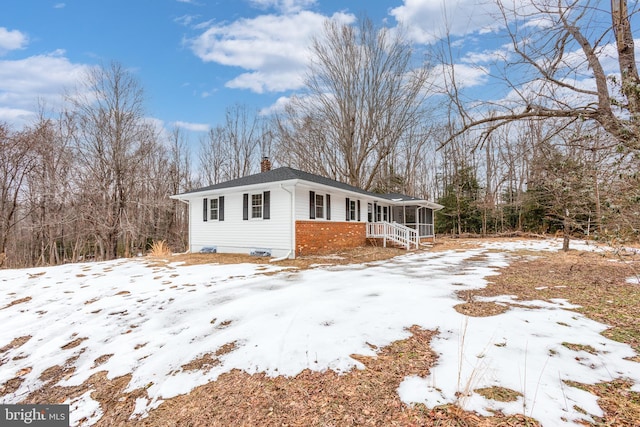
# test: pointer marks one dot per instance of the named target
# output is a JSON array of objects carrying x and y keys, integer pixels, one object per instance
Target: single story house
[{"x": 286, "y": 212}]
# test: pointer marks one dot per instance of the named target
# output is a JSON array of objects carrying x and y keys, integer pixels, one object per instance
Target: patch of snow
[
  {"x": 83, "y": 410},
  {"x": 523, "y": 350},
  {"x": 143, "y": 406},
  {"x": 154, "y": 320},
  {"x": 635, "y": 280}
]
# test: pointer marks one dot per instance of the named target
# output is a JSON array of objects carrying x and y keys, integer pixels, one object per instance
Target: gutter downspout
[{"x": 282, "y": 258}]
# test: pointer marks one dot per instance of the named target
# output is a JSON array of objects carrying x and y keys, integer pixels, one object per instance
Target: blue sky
[{"x": 195, "y": 58}]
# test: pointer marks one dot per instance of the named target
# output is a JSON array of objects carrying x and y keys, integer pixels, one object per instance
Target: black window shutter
[
  {"x": 328, "y": 207},
  {"x": 358, "y": 210},
  {"x": 266, "y": 205},
  {"x": 221, "y": 208},
  {"x": 312, "y": 205},
  {"x": 205, "y": 209},
  {"x": 245, "y": 206},
  {"x": 347, "y": 209}
]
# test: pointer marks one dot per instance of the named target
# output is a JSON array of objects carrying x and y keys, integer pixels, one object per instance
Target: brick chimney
[{"x": 265, "y": 164}]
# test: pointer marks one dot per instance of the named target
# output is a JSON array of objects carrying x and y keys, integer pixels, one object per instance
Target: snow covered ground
[{"x": 155, "y": 319}]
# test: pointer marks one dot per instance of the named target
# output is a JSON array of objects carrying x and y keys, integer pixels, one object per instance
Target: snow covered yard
[{"x": 173, "y": 328}]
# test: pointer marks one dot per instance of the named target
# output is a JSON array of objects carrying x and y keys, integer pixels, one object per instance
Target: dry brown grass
[
  {"x": 360, "y": 397},
  {"x": 481, "y": 309},
  {"x": 347, "y": 256},
  {"x": 17, "y": 301},
  {"x": 15, "y": 343},
  {"x": 160, "y": 249},
  {"x": 500, "y": 394}
]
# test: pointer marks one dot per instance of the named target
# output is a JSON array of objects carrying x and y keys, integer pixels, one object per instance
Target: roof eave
[{"x": 234, "y": 189}]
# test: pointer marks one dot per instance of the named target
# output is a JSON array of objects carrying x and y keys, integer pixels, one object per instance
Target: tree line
[{"x": 93, "y": 181}]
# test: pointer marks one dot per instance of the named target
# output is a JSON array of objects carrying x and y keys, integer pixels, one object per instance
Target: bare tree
[
  {"x": 212, "y": 156},
  {"x": 233, "y": 149},
  {"x": 364, "y": 93},
  {"x": 50, "y": 190},
  {"x": 562, "y": 185},
  {"x": 112, "y": 140},
  {"x": 558, "y": 71},
  {"x": 174, "y": 214},
  {"x": 242, "y": 134},
  {"x": 16, "y": 162}
]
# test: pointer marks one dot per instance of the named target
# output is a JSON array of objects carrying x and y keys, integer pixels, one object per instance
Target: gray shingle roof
[
  {"x": 287, "y": 174},
  {"x": 399, "y": 197},
  {"x": 282, "y": 174}
]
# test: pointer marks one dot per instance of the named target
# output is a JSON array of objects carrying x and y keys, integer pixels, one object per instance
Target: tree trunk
[{"x": 566, "y": 235}]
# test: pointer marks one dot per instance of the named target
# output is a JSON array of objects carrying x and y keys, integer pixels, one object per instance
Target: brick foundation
[{"x": 317, "y": 237}]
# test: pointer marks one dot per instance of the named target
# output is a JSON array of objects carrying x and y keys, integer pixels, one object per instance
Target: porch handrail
[{"x": 398, "y": 233}]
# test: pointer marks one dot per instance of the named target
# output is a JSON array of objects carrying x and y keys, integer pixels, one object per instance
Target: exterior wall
[
  {"x": 338, "y": 204},
  {"x": 235, "y": 235},
  {"x": 317, "y": 237},
  {"x": 322, "y": 235},
  {"x": 290, "y": 231}
]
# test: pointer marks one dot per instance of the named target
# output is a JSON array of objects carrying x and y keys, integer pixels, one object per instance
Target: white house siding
[
  {"x": 338, "y": 203},
  {"x": 235, "y": 235}
]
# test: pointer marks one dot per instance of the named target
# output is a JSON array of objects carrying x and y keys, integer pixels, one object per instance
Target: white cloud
[
  {"x": 193, "y": 127},
  {"x": 273, "y": 48},
  {"x": 487, "y": 56},
  {"x": 260, "y": 82},
  {"x": 466, "y": 76},
  {"x": 427, "y": 21},
  {"x": 11, "y": 40},
  {"x": 285, "y": 6},
  {"x": 59, "y": 6},
  {"x": 25, "y": 82},
  {"x": 277, "y": 107},
  {"x": 15, "y": 115},
  {"x": 186, "y": 20}
]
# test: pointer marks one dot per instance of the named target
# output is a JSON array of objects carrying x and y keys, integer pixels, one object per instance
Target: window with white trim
[
  {"x": 352, "y": 210},
  {"x": 213, "y": 209},
  {"x": 319, "y": 206},
  {"x": 256, "y": 206}
]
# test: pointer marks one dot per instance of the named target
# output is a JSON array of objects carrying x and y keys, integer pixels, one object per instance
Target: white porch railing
[{"x": 397, "y": 233}]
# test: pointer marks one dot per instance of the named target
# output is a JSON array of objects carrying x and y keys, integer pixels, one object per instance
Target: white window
[
  {"x": 213, "y": 209},
  {"x": 352, "y": 210},
  {"x": 256, "y": 206},
  {"x": 319, "y": 206}
]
